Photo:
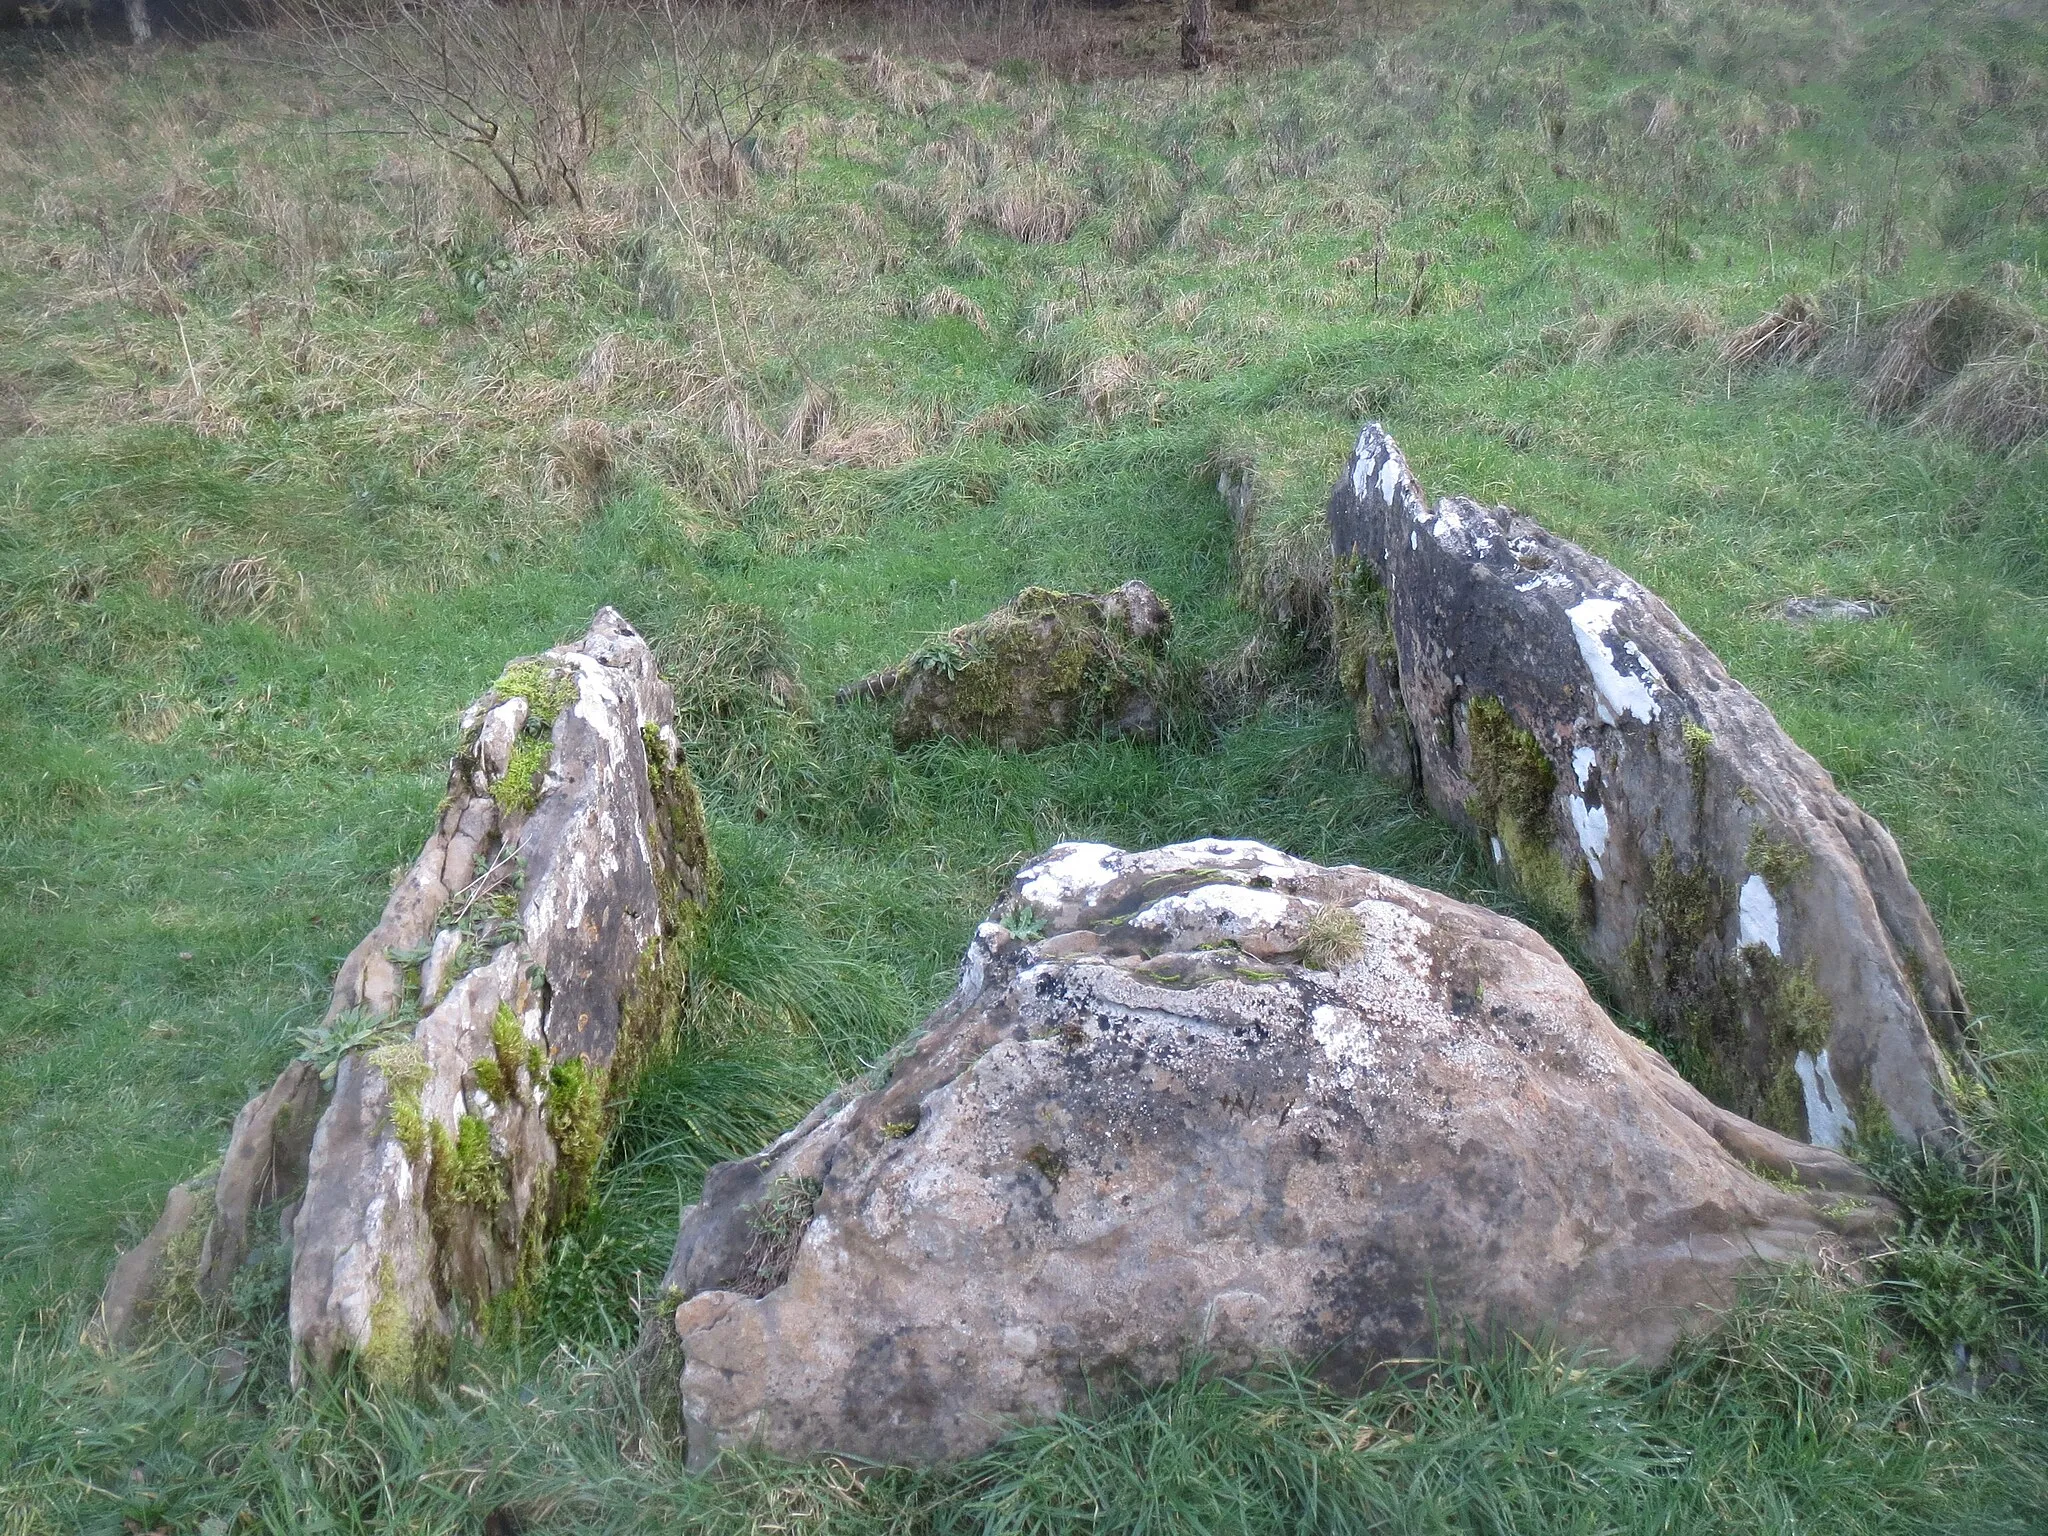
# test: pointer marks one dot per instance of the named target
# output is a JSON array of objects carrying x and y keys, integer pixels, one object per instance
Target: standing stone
[
  {"x": 521, "y": 970},
  {"x": 1213, "y": 1099},
  {"x": 1556, "y": 710},
  {"x": 540, "y": 939}
]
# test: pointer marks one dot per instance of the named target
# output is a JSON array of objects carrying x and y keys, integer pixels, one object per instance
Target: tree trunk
[
  {"x": 1194, "y": 35},
  {"x": 139, "y": 30}
]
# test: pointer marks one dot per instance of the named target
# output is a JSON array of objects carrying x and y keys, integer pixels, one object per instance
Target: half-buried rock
[
  {"x": 1558, "y": 711},
  {"x": 521, "y": 969},
  {"x": 1046, "y": 666},
  {"x": 1215, "y": 1100}
]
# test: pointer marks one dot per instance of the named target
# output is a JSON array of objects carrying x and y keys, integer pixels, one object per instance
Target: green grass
[{"x": 292, "y": 476}]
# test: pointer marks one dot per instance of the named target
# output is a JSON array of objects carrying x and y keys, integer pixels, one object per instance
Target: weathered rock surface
[
  {"x": 519, "y": 972},
  {"x": 1046, "y": 666},
  {"x": 1212, "y": 1098},
  {"x": 137, "y": 1285},
  {"x": 1560, "y": 712}
]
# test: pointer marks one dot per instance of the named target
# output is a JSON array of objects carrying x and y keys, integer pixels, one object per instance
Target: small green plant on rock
[
  {"x": 517, "y": 789},
  {"x": 778, "y": 1223},
  {"x": 1334, "y": 937},
  {"x": 547, "y": 690}
]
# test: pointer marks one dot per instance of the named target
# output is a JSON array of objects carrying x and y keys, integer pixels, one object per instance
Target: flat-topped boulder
[
  {"x": 1214, "y": 1100},
  {"x": 1046, "y": 666},
  {"x": 521, "y": 970},
  {"x": 1562, "y": 714}
]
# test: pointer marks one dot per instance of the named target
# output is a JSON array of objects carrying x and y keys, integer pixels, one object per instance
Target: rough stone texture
[
  {"x": 1213, "y": 1098},
  {"x": 1821, "y": 610},
  {"x": 1558, "y": 711},
  {"x": 1045, "y": 667},
  {"x": 548, "y": 916},
  {"x": 265, "y": 1165},
  {"x": 521, "y": 968},
  {"x": 142, "y": 1274}
]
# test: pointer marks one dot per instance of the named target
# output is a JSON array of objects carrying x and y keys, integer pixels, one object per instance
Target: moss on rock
[{"x": 1045, "y": 667}]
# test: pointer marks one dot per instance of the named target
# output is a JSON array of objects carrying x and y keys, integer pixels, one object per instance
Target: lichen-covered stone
[
  {"x": 448, "y": 1150},
  {"x": 1215, "y": 1100},
  {"x": 1046, "y": 666},
  {"x": 521, "y": 970},
  {"x": 1642, "y": 797}
]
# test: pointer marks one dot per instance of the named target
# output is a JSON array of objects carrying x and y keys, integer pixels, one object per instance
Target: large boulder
[
  {"x": 1213, "y": 1099},
  {"x": 522, "y": 968},
  {"x": 1556, "y": 710},
  {"x": 1046, "y": 666}
]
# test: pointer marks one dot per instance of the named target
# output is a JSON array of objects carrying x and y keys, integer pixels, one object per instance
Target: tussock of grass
[{"x": 1790, "y": 333}]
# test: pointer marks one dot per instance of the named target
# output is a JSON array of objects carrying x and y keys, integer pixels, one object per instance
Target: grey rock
[
  {"x": 1045, "y": 667},
  {"x": 1215, "y": 1099},
  {"x": 570, "y": 863},
  {"x": 265, "y": 1164},
  {"x": 1562, "y": 714},
  {"x": 1822, "y": 610},
  {"x": 141, "y": 1275},
  {"x": 520, "y": 971}
]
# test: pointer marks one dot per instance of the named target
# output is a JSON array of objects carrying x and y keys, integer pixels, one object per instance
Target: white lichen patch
[
  {"x": 1590, "y": 822},
  {"x": 1828, "y": 1121},
  {"x": 1348, "y": 1042},
  {"x": 1625, "y": 688},
  {"x": 1069, "y": 874},
  {"x": 1213, "y": 912},
  {"x": 1758, "y": 915}
]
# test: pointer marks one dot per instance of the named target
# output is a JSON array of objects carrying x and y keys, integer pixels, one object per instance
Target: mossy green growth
[
  {"x": 1512, "y": 777},
  {"x": 1698, "y": 739},
  {"x": 1513, "y": 780},
  {"x": 1045, "y": 665},
  {"x": 508, "y": 1049},
  {"x": 1362, "y": 632},
  {"x": 405, "y": 1071},
  {"x": 465, "y": 1168},
  {"x": 548, "y": 690},
  {"x": 391, "y": 1357},
  {"x": 576, "y": 1122},
  {"x": 1780, "y": 861},
  {"x": 517, "y": 789}
]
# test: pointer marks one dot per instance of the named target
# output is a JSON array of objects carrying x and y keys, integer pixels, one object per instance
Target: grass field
[{"x": 301, "y": 438}]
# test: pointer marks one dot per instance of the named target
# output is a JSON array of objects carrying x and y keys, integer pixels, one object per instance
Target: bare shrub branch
[{"x": 512, "y": 91}]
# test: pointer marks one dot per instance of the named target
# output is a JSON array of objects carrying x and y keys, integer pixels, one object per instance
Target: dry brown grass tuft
[
  {"x": 809, "y": 419},
  {"x": 2000, "y": 401},
  {"x": 583, "y": 461},
  {"x": 1584, "y": 219},
  {"x": 1932, "y": 340},
  {"x": 1016, "y": 421},
  {"x": 950, "y": 301},
  {"x": 1655, "y": 324},
  {"x": 908, "y": 90},
  {"x": 1033, "y": 207},
  {"x": 1791, "y": 333},
  {"x": 880, "y": 444},
  {"x": 1109, "y": 386}
]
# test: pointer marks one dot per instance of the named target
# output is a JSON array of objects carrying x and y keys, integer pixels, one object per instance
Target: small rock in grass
[
  {"x": 1045, "y": 667},
  {"x": 1821, "y": 610}
]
